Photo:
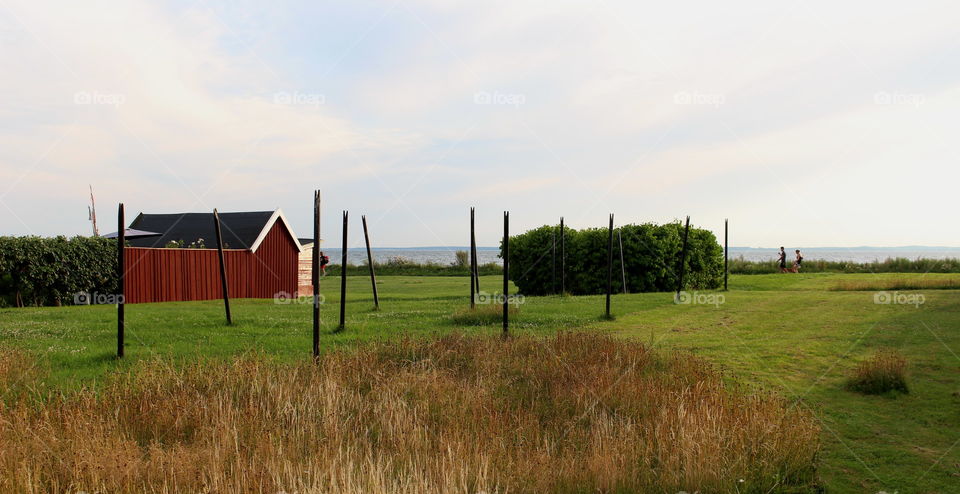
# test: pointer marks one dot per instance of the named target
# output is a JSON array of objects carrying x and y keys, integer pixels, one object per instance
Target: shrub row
[
  {"x": 408, "y": 268},
  {"x": 739, "y": 265},
  {"x": 48, "y": 271},
  {"x": 651, "y": 259}
]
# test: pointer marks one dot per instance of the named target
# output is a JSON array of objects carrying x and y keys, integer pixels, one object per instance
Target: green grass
[{"x": 787, "y": 332}]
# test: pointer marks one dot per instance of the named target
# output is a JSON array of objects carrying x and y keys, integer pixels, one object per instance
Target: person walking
[
  {"x": 782, "y": 260},
  {"x": 324, "y": 260},
  {"x": 797, "y": 261}
]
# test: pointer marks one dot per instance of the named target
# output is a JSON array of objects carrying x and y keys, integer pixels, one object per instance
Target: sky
[{"x": 806, "y": 123}]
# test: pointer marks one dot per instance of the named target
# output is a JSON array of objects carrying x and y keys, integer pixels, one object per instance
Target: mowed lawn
[{"x": 789, "y": 333}]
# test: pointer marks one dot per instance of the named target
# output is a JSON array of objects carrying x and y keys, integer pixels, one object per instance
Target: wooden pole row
[{"x": 474, "y": 268}]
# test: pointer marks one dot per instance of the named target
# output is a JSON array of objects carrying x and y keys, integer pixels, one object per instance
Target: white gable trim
[{"x": 277, "y": 215}]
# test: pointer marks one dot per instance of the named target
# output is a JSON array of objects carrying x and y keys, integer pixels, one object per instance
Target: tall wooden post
[
  {"x": 609, "y": 264},
  {"x": 223, "y": 267},
  {"x": 506, "y": 273},
  {"x": 683, "y": 258},
  {"x": 121, "y": 282},
  {"x": 726, "y": 256},
  {"x": 473, "y": 261},
  {"x": 476, "y": 257},
  {"x": 553, "y": 262},
  {"x": 343, "y": 276},
  {"x": 373, "y": 275},
  {"x": 315, "y": 273},
  {"x": 563, "y": 259},
  {"x": 623, "y": 267}
]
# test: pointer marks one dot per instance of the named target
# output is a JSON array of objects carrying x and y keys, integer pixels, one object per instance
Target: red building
[{"x": 180, "y": 263}]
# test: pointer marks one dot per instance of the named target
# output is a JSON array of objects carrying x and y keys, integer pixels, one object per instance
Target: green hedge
[
  {"x": 49, "y": 271},
  {"x": 651, "y": 256}
]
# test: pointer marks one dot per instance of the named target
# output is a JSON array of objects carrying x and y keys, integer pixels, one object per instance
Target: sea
[{"x": 447, "y": 255}]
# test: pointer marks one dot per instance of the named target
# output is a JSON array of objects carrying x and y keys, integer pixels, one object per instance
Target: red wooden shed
[{"x": 260, "y": 252}]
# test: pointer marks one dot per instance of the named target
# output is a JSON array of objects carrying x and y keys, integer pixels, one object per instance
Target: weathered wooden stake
[
  {"x": 343, "y": 275},
  {"x": 609, "y": 264},
  {"x": 506, "y": 273},
  {"x": 373, "y": 275},
  {"x": 315, "y": 273},
  {"x": 121, "y": 285},
  {"x": 473, "y": 261},
  {"x": 683, "y": 258},
  {"x": 563, "y": 259},
  {"x": 476, "y": 261},
  {"x": 223, "y": 267},
  {"x": 553, "y": 263},
  {"x": 726, "y": 270},
  {"x": 623, "y": 268}
]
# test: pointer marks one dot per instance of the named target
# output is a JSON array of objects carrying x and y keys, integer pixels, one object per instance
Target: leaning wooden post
[
  {"x": 506, "y": 273},
  {"x": 623, "y": 268},
  {"x": 726, "y": 270},
  {"x": 315, "y": 273},
  {"x": 609, "y": 264},
  {"x": 563, "y": 260},
  {"x": 373, "y": 274},
  {"x": 683, "y": 258},
  {"x": 223, "y": 267},
  {"x": 121, "y": 285},
  {"x": 343, "y": 275},
  {"x": 473, "y": 262},
  {"x": 476, "y": 257}
]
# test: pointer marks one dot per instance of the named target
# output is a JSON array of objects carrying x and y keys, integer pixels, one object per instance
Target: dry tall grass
[
  {"x": 575, "y": 413},
  {"x": 883, "y": 284},
  {"x": 885, "y": 371}
]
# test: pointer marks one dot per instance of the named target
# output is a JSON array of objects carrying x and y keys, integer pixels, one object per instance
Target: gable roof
[{"x": 241, "y": 230}]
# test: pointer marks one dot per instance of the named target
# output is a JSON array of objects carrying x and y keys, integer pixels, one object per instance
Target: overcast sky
[{"x": 806, "y": 123}]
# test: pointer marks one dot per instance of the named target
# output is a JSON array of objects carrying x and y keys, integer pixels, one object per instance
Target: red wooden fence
[{"x": 166, "y": 275}]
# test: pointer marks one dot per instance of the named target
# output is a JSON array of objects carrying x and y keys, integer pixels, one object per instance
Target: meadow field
[{"x": 781, "y": 346}]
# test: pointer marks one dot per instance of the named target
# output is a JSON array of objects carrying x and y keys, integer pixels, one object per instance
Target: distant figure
[
  {"x": 782, "y": 260},
  {"x": 324, "y": 260},
  {"x": 796, "y": 262}
]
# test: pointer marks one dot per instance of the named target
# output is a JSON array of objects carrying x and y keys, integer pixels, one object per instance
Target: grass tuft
[
  {"x": 573, "y": 413},
  {"x": 884, "y": 372}
]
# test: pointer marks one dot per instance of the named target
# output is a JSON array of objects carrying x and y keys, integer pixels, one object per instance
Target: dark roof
[
  {"x": 305, "y": 241},
  {"x": 240, "y": 230}
]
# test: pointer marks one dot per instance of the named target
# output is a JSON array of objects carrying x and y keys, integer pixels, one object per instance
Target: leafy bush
[
  {"x": 651, "y": 259},
  {"x": 48, "y": 271},
  {"x": 882, "y": 373},
  {"x": 462, "y": 260}
]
